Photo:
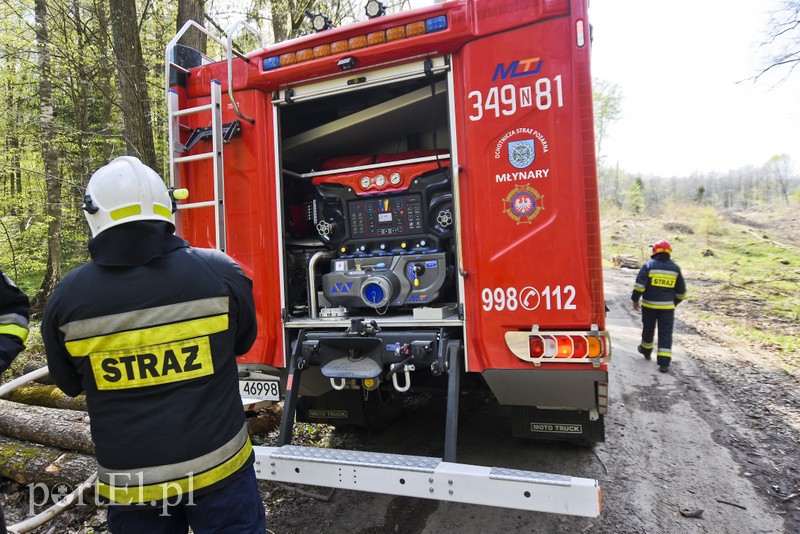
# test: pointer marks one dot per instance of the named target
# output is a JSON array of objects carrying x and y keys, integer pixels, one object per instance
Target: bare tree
[
  {"x": 607, "y": 110},
  {"x": 779, "y": 168},
  {"x": 784, "y": 34},
  {"x": 50, "y": 156}
]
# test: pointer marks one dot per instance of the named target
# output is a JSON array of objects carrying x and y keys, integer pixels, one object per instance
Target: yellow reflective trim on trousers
[
  {"x": 149, "y": 366},
  {"x": 149, "y": 336},
  {"x": 14, "y": 330},
  {"x": 659, "y": 307},
  {"x": 173, "y": 488}
]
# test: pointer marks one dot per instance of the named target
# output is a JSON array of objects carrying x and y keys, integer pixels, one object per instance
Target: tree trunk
[
  {"x": 63, "y": 429},
  {"x": 47, "y": 396},
  {"x": 105, "y": 75},
  {"x": 12, "y": 174},
  {"x": 27, "y": 463},
  {"x": 287, "y": 16},
  {"x": 192, "y": 10},
  {"x": 52, "y": 182},
  {"x": 132, "y": 76}
]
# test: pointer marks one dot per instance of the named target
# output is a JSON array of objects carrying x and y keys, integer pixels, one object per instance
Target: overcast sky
[{"x": 685, "y": 69}]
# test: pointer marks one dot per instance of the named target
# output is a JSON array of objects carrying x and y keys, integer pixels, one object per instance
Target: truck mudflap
[{"x": 429, "y": 478}]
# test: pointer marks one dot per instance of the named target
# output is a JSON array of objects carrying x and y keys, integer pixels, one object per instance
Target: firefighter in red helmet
[{"x": 660, "y": 287}]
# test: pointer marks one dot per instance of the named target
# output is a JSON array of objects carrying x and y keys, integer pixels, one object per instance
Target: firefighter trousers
[
  {"x": 664, "y": 320},
  {"x": 236, "y": 508}
]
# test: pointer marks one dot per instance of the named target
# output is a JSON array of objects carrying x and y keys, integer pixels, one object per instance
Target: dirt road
[{"x": 676, "y": 443}]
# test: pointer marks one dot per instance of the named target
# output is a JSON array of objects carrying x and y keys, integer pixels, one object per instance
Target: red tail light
[
  {"x": 537, "y": 347},
  {"x": 574, "y": 345},
  {"x": 581, "y": 345}
]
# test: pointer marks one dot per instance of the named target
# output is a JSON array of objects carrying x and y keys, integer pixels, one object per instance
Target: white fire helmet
[{"x": 125, "y": 190}]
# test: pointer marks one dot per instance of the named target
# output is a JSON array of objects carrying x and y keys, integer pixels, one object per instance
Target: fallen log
[
  {"x": 63, "y": 429},
  {"x": 28, "y": 463},
  {"x": 627, "y": 261},
  {"x": 49, "y": 396}
]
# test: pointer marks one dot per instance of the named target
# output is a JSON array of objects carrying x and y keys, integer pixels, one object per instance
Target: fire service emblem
[
  {"x": 521, "y": 153},
  {"x": 523, "y": 204}
]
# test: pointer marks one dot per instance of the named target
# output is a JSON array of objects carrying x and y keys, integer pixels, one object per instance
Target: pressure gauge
[
  {"x": 395, "y": 178},
  {"x": 380, "y": 180},
  {"x": 365, "y": 182}
]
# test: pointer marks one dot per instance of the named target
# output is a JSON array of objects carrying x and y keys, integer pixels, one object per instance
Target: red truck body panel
[{"x": 511, "y": 107}]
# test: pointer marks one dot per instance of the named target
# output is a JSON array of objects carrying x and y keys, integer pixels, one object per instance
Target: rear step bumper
[{"x": 429, "y": 478}]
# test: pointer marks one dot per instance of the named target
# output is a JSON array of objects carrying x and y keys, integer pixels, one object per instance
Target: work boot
[
  {"x": 644, "y": 352},
  {"x": 663, "y": 368}
]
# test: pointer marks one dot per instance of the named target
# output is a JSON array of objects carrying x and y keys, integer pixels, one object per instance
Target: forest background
[{"x": 82, "y": 82}]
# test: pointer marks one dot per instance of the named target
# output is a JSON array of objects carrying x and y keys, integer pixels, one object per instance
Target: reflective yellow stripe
[
  {"x": 158, "y": 209},
  {"x": 658, "y": 304},
  {"x": 149, "y": 336},
  {"x": 145, "y": 318},
  {"x": 14, "y": 330},
  {"x": 127, "y": 211},
  {"x": 133, "y": 494},
  {"x": 157, "y": 474}
]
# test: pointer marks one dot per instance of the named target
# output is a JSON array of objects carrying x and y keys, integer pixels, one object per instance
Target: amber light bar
[{"x": 395, "y": 33}]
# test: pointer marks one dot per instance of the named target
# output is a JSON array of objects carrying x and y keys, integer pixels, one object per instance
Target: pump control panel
[{"x": 392, "y": 247}]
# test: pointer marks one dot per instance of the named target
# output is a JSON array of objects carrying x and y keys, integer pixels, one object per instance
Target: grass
[{"x": 743, "y": 275}]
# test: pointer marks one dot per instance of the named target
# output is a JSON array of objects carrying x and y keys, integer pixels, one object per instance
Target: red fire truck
[{"x": 415, "y": 198}]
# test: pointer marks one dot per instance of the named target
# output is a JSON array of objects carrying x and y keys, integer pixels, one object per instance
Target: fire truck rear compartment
[
  {"x": 366, "y": 188},
  {"x": 369, "y": 247}
]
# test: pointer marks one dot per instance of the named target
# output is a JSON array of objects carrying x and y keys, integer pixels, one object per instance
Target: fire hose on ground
[{"x": 62, "y": 505}]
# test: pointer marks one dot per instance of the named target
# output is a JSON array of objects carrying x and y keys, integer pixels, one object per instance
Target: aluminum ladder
[{"x": 219, "y": 133}]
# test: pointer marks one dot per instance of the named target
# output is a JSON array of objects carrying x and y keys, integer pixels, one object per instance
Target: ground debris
[
  {"x": 790, "y": 497},
  {"x": 692, "y": 512},
  {"x": 723, "y": 501}
]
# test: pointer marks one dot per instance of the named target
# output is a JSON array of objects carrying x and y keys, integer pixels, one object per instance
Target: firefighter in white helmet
[
  {"x": 150, "y": 329},
  {"x": 660, "y": 287}
]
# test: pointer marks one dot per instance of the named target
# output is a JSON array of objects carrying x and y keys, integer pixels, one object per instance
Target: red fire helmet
[{"x": 662, "y": 246}]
